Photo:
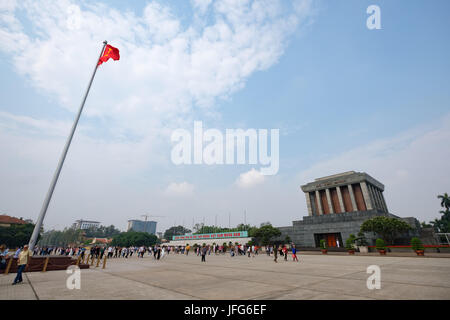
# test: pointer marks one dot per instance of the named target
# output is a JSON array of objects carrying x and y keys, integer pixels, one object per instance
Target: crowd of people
[{"x": 158, "y": 251}]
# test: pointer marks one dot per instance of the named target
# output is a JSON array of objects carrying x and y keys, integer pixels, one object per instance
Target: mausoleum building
[{"x": 337, "y": 206}]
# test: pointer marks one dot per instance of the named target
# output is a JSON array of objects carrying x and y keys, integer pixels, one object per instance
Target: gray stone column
[
  {"x": 319, "y": 203},
  {"x": 308, "y": 203},
  {"x": 377, "y": 197},
  {"x": 341, "y": 201},
  {"x": 374, "y": 199},
  {"x": 384, "y": 201},
  {"x": 352, "y": 197},
  {"x": 366, "y": 195},
  {"x": 330, "y": 204}
]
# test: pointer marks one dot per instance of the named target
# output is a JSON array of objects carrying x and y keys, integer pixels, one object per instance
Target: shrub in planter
[
  {"x": 380, "y": 246},
  {"x": 417, "y": 246},
  {"x": 323, "y": 246},
  {"x": 361, "y": 243},
  {"x": 349, "y": 244}
]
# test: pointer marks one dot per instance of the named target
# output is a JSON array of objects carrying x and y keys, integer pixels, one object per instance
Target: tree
[
  {"x": 16, "y": 235},
  {"x": 423, "y": 224},
  {"x": 243, "y": 227},
  {"x": 361, "y": 240},
  {"x": 265, "y": 233},
  {"x": 133, "y": 238},
  {"x": 387, "y": 228},
  {"x": 287, "y": 239},
  {"x": 61, "y": 238},
  {"x": 442, "y": 225},
  {"x": 175, "y": 231},
  {"x": 350, "y": 242},
  {"x": 101, "y": 232}
]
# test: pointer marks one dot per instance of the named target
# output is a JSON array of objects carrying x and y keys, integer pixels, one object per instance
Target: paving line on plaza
[{"x": 31, "y": 285}]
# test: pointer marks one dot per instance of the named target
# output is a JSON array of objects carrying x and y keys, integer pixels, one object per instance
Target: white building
[{"x": 85, "y": 224}]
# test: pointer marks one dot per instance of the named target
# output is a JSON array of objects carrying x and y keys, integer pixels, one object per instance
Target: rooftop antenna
[{"x": 147, "y": 215}]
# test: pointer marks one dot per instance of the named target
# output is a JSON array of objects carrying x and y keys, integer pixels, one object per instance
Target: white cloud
[
  {"x": 180, "y": 189},
  {"x": 201, "y": 5},
  {"x": 165, "y": 70},
  {"x": 250, "y": 179}
]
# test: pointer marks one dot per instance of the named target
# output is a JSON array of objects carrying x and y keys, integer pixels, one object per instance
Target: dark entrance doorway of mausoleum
[{"x": 332, "y": 240}]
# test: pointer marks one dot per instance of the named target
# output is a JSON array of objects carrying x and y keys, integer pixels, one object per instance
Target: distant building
[
  {"x": 100, "y": 240},
  {"x": 142, "y": 226},
  {"x": 85, "y": 224},
  {"x": 240, "y": 237},
  {"x": 7, "y": 221}
]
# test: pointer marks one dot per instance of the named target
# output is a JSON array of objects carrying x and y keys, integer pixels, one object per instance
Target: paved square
[{"x": 316, "y": 276}]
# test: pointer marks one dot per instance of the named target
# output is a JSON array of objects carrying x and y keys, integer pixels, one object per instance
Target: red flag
[{"x": 110, "y": 52}]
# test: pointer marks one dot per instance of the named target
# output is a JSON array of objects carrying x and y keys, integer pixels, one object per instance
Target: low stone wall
[{"x": 37, "y": 264}]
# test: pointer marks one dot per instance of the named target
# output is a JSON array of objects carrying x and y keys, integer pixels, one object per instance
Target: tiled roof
[{"x": 4, "y": 219}]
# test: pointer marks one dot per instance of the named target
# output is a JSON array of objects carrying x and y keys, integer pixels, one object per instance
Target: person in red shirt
[{"x": 285, "y": 253}]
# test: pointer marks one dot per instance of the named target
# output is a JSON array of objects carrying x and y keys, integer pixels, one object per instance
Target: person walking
[
  {"x": 3, "y": 256},
  {"x": 203, "y": 251},
  {"x": 23, "y": 260},
  {"x": 294, "y": 253},
  {"x": 16, "y": 255},
  {"x": 159, "y": 253},
  {"x": 285, "y": 251},
  {"x": 275, "y": 253},
  {"x": 110, "y": 252}
]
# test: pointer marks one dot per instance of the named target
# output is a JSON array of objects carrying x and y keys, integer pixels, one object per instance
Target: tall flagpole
[{"x": 40, "y": 219}]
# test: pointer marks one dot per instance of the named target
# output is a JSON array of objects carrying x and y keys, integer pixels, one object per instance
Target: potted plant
[
  {"x": 323, "y": 246},
  {"x": 349, "y": 244},
  {"x": 380, "y": 246},
  {"x": 361, "y": 243},
  {"x": 417, "y": 246}
]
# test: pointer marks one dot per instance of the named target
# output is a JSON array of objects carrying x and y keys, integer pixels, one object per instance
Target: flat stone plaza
[{"x": 316, "y": 276}]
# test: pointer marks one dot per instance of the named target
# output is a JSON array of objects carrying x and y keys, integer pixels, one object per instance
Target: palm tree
[
  {"x": 445, "y": 200},
  {"x": 443, "y": 224}
]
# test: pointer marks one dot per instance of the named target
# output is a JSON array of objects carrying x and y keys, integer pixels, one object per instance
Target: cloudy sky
[{"x": 343, "y": 97}]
